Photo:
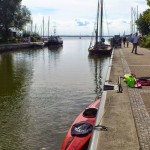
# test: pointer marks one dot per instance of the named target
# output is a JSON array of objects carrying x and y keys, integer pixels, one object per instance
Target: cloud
[
  {"x": 82, "y": 23},
  {"x": 124, "y": 21},
  {"x": 140, "y": 1},
  {"x": 75, "y": 16},
  {"x": 44, "y": 10}
]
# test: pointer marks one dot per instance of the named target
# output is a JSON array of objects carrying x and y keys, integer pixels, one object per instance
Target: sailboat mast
[
  {"x": 43, "y": 28},
  {"x": 101, "y": 20},
  {"x": 97, "y": 23},
  {"x": 48, "y": 26}
]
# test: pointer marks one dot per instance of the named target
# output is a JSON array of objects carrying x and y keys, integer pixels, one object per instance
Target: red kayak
[
  {"x": 143, "y": 82},
  {"x": 80, "y": 131}
]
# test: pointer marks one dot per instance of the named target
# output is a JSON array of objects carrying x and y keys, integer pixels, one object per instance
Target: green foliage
[
  {"x": 145, "y": 41},
  {"x": 148, "y": 2},
  {"x": 25, "y": 34},
  {"x": 12, "y": 15},
  {"x": 34, "y": 36},
  {"x": 22, "y": 17},
  {"x": 143, "y": 23},
  {"x": 33, "y": 39}
]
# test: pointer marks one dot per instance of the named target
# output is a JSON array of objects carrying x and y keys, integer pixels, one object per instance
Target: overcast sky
[{"x": 75, "y": 17}]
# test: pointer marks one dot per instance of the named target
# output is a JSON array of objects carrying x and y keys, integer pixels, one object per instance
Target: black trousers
[{"x": 134, "y": 47}]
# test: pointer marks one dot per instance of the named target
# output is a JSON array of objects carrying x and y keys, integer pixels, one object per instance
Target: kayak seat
[
  {"x": 90, "y": 113},
  {"x": 81, "y": 128}
]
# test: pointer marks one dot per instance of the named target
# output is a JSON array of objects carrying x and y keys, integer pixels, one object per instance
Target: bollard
[{"x": 119, "y": 85}]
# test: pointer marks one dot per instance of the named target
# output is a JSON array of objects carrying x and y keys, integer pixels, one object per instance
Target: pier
[
  {"x": 126, "y": 115},
  {"x": 8, "y": 47}
]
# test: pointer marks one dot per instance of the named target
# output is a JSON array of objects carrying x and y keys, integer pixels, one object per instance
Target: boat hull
[
  {"x": 101, "y": 52},
  {"x": 80, "y": 142},
  {"x": 51, "y": 43},
  {"x": 54, "y": 41}
]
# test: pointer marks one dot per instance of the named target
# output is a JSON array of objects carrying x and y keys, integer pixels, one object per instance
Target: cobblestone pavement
[{"x": 140, "y": 98}]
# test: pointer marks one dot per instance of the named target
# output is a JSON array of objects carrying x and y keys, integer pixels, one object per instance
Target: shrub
[{"x": 145, "y": 41}]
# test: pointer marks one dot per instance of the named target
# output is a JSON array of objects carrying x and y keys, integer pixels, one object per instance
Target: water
[{"x": 43, "y": 90}]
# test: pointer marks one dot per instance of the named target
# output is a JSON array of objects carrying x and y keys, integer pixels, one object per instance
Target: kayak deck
[{"x": 80, "y": 141}]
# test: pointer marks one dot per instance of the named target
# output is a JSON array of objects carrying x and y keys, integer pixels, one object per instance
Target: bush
[
  {"x": 33, "y": 39},
  {"x": 145, "y": 41},
  {"x": 2, "y": 41}
]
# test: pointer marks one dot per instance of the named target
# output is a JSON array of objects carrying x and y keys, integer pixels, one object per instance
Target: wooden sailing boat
[
  {"x": 54, "y": 40},
  {"x": 100, "y": 48}
]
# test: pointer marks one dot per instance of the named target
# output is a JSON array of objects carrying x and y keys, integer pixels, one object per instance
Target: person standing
[
  {"x": 124, "y": 40},
  {"x": 128, "y": 41},
  {"x": 135, "y": 43}
]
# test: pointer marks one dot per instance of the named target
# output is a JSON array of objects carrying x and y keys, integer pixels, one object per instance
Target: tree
[
  {"x": 148, "y": 2},
  {"x": 12, "y": 15},
  {"x": 143, "y": 23}
]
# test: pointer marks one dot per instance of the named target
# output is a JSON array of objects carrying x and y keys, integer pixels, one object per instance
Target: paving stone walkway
[{"x": 139, "y": 107}]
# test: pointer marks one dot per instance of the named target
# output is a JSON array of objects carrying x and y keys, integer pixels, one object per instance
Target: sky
[{"x": 78, "y": 17}]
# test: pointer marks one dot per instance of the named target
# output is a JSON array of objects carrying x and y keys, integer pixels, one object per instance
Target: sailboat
[
  {"x": 54, "y": 40},
  {"x": 99, "y": 47}
]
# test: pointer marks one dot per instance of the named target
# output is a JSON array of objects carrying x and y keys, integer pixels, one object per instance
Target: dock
[
  {"x": 123, "y": 119},
  {"x": 8, "y": 47}
]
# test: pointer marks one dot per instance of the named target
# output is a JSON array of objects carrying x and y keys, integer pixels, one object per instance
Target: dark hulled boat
[
  {"x": 101, "y": 50},
  {"x": 54, "y": 40},
  {"x": 99, "y": 47}
]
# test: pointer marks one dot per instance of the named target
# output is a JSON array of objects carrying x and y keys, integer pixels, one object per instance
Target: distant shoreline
[{"x": 79, "y": 36}]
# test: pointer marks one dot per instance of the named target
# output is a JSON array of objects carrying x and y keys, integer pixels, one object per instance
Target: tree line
[
  {"x": 13, "y": 17},
  {"x": 143, "y": 22},
  {"x": 143, "y": 25}
]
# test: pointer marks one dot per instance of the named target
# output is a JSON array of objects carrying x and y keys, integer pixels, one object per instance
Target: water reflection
[
  {"x": 54, "y": 53},
  {"x": 98, "y": 66},
  {"x": 55, "y": 48},
  {"x": 15, "y": 79},
  {"x": 42, "y": 91}
]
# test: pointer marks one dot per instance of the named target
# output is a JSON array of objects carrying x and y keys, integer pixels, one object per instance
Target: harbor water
[{"x": 43, "y": 90}]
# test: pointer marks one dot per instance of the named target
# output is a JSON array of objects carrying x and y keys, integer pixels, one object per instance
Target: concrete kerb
[{"x": 96, "y": 134}]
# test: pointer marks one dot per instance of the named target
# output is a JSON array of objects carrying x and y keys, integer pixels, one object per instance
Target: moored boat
[
  {"x": 79, "y": 134},
  {"x": 100, "y": 47},
  {"x": 54, "y": 40},
  {"x": 105, "y": 50}
]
